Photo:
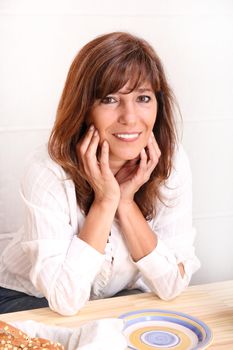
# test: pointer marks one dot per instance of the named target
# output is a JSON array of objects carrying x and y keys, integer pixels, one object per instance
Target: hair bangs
[{"x": 136, "y": 69}]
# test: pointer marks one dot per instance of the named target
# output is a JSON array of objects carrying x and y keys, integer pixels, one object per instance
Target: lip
[{"x": 122, "y": 136}]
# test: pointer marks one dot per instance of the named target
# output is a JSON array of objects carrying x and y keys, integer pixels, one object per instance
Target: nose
[{"x": 127, "y": 114}]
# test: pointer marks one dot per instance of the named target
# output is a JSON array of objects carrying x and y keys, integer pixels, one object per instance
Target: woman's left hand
[{"x": 136, "y": 172}]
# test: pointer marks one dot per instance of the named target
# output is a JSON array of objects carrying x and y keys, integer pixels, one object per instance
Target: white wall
[{"x": 195, "y": 41}]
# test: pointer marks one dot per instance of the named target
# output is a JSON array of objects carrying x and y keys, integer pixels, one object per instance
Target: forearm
[
  {"x": 139, "y": 237},
  {"x": 97, "y": 225}
]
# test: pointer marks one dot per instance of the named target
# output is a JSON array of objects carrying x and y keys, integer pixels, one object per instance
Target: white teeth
[{"x": 127, "y": 136}]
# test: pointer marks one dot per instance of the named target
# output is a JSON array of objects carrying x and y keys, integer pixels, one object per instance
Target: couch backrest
[{"x": 15, "y": 146}]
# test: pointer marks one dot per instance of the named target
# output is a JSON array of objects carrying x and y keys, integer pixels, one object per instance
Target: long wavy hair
[{"x": 103, "y": 66}]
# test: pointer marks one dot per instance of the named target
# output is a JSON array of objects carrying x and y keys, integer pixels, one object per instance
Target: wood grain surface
[{"x": 211, "y": 303}]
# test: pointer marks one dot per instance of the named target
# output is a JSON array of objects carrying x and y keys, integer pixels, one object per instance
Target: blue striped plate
[{"x": 152, "y": 329}]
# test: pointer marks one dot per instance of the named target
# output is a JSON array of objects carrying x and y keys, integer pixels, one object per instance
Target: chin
[{"x": 128, "y": 156}]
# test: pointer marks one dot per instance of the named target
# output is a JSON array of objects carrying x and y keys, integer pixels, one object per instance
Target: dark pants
[
  {"x": 127, "y": 292},
  {"x": 11, "y": 301}
]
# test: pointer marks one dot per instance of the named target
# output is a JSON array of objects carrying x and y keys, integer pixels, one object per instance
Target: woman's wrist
[
  {"x": 124, "y": 206},
  {"x": 107, "y": 204}
]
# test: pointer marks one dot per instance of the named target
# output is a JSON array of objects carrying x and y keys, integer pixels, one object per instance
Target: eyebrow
[{"x": 141, "y": 90}]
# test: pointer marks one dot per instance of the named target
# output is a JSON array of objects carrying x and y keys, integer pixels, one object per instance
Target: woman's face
[{"x": 125, "y": 120}]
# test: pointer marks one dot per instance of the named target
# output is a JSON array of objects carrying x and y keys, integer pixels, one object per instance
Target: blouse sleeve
[
  {"x": 63, "y": 266},
  {"x": 173, "y": 226}
]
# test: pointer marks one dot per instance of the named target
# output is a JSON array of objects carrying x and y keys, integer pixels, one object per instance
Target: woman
[{"x": 108, "y": 206}]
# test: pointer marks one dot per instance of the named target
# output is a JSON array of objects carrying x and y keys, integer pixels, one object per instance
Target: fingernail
[
  {"x": 91, "y": 127},
  {"x": 96, "y": 132}
]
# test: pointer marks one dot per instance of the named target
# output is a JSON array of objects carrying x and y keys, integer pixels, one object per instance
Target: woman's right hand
[{"x": 97, "y": 171}]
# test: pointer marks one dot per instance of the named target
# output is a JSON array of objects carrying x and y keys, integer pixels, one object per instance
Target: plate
[{"x": 152, "y": 329}]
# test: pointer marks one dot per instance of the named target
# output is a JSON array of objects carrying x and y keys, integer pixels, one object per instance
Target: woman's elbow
[
  {"x": 66, "y": 309},
  {"x": 167, "y": 296},
  {"x": 67, "y": 306},
  {"x": 172, "y": 291}
]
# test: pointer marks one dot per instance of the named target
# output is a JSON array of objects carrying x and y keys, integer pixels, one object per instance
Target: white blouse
[{"x": 46, "y": 257}]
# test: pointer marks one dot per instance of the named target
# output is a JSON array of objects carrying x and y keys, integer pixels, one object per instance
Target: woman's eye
[
  {"x": 144, "y": 98},
  {"x": 108, "y": 100}
]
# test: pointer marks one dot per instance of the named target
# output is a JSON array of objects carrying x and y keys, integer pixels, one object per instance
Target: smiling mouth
[{"x": 127, "y": 136}]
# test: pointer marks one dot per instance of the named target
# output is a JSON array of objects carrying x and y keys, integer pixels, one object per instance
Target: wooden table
[{"x": 212, "y": 303}]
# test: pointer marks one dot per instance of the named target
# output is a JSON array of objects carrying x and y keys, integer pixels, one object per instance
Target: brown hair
[{"x": 104, "y": 66}]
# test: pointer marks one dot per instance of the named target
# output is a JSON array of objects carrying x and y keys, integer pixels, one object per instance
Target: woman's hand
[
  {"x": 136, "y": 172},
  {"x": 97, "y": 171}
]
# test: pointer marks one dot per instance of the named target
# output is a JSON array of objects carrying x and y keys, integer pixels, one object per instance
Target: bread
[{"x": 14, "y": 339}]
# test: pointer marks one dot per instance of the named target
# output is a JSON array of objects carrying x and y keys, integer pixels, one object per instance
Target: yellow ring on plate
[{"x": 135, "y": 338}]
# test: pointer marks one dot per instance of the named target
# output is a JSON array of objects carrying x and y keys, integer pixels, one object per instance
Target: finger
[
  {"x": 156, "y": 146},
  {"x": 83, "y": 146},
  {"x": 154, "y": 152},
  {"x": 104, "y": 158},
  {"x": 142, "y": 168},
  {"x": 143, "y": 160},
  {"x": 152, "y": 155},
  {"x": 90, "y": 157}
]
